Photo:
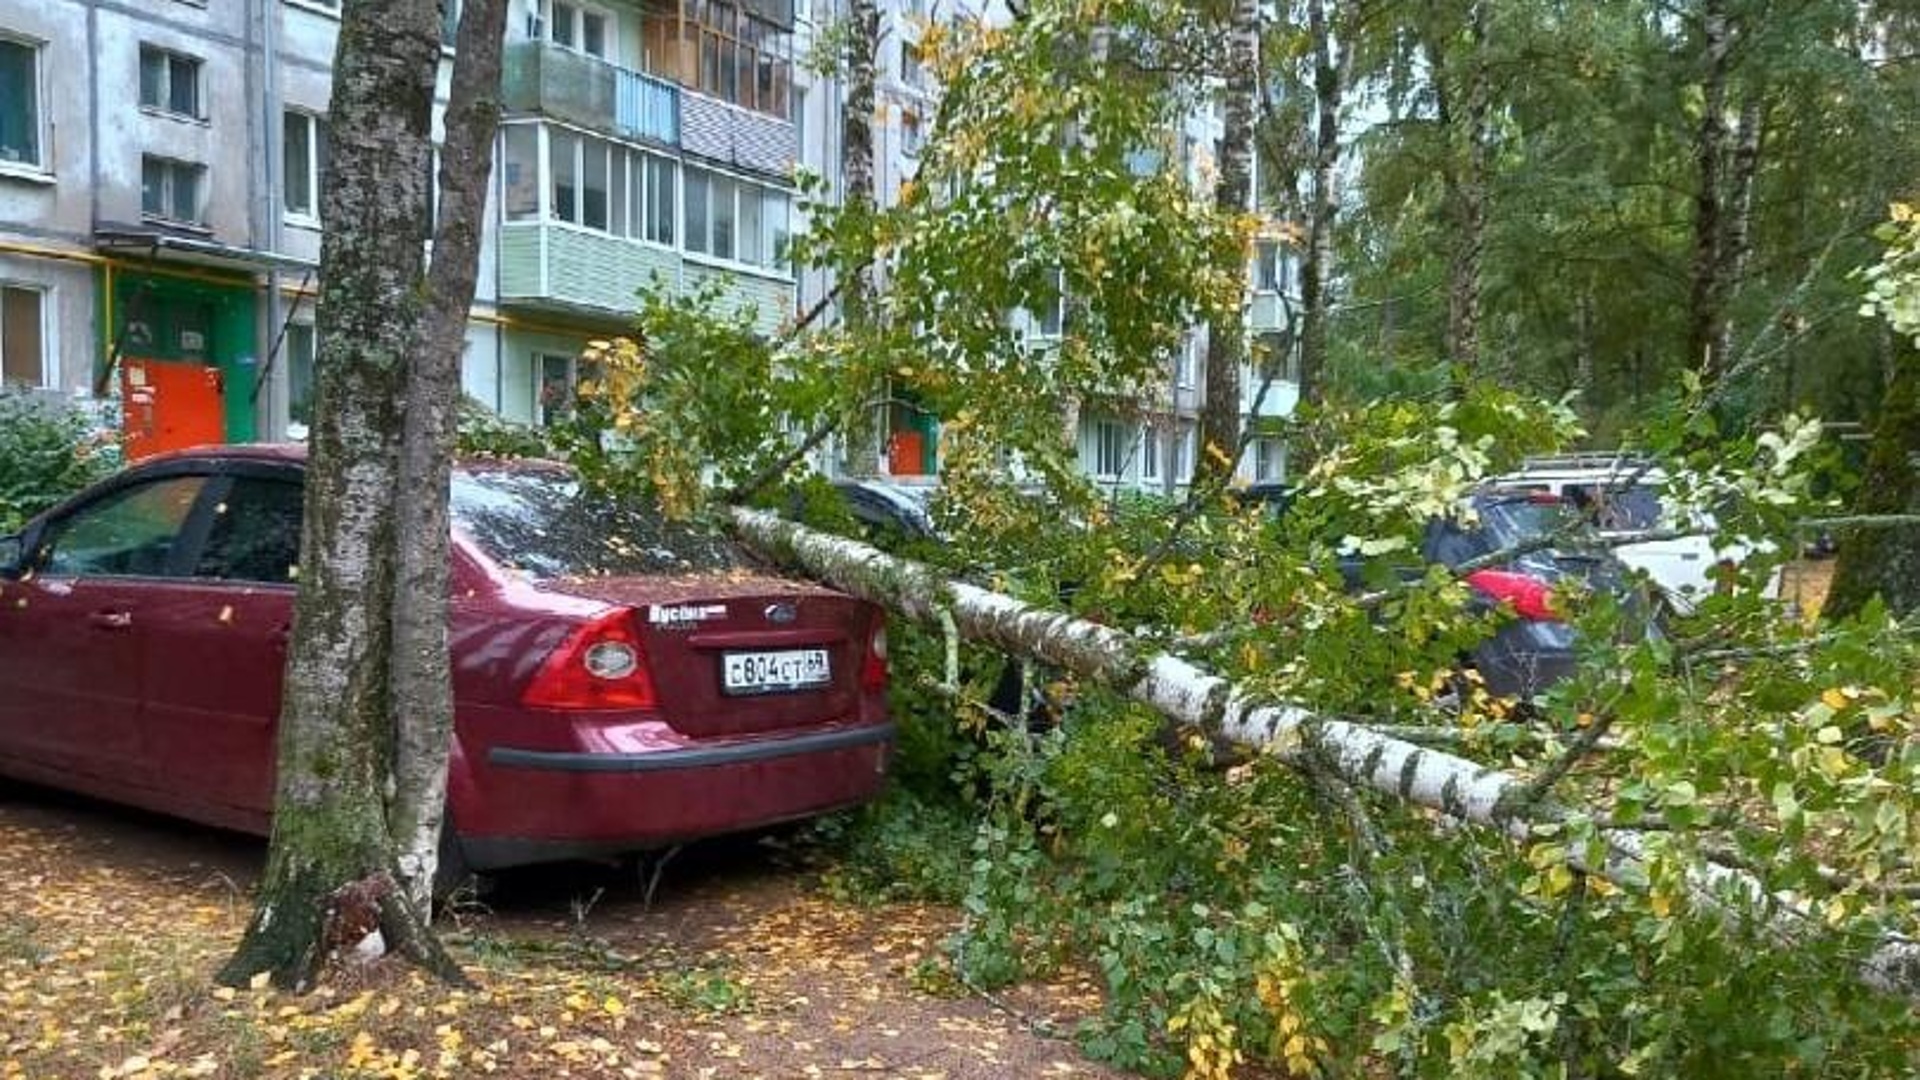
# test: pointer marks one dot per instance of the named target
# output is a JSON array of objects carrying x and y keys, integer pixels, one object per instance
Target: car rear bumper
[
  {"x": 518, "y": 806},
  {"x": 1525, "y": 658},
  {"x": 696, "y": 757}
]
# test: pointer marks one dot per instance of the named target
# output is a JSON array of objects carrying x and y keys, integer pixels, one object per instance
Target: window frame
[
  {"x": 541, "y": 358},
  {"x": 38, "y": 121},
  {"x": 725, "y": 59},
  {"x": 1269, "y": 460},
  {"x": 45, "y": 380},
  {"x": 581, "y": 10},
  {"x": 173, "y": 168},
  {"x": 168, "y": 57},
  {"x": 1150, "y": 453},
  {"x": 316, "y": 133},
  {"x": 1110, "y": 445}
]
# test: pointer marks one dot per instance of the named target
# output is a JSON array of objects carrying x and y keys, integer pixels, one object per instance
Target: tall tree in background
[
  {"x": 357, "y": 760},
  {"x": 858, "y": 287},
  {"x": 1884, "y": 560},
  {"x": 1226, "y": 333},
  {"x": 1462, "y": 91},
  {"x": 1330, "y": 49}
]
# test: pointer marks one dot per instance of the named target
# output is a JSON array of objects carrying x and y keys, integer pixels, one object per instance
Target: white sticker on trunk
[{"x": 672, "y": 615}]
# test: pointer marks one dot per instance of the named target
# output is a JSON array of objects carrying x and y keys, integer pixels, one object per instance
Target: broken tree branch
[{"x": 1296, "y": 735}]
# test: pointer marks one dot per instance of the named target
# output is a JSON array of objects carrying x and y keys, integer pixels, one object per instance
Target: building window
[
  {"x": 1183, "y": 362},
  {"x": 553, "y": 397},
  {"x": 580, "y": 27},
  {"x": 1269, "y": 460},
  {"x": 1109, "y": 449},
  {"x": 728, "y": 50},
  {"x": 520, "y": 170},
  {"x": 299, "y": 356},
  {"x": 19, "y": 103},
  {"x": 911, "y": 139},
  {"x": 1149, "y": 453},
  {"x": 1266, "y": 266},
  {"x": 911, "y": 71},
  {"x": 304, "y": 161},
  {"x": 23, "y": 353},
  {"x": 735, "y": 219},
  {"x": 170, "y": 82},
  {"x": 594, "y": 183},
  {"x": 170, "y": 190},
  {"x": 1183, "y": 455}
]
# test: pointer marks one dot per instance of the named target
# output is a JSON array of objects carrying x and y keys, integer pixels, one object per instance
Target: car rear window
[
  {"x": 1514, "y": 520},
  {"x": 1613, "y": 508},
  {"x": 539, "y": 520}
]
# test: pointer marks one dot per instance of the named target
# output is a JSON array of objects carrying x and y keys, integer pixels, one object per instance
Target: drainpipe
[{"x": 275, "y": 401}]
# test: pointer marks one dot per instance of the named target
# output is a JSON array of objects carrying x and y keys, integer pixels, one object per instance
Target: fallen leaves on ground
[{"x": 106, "y": 965}]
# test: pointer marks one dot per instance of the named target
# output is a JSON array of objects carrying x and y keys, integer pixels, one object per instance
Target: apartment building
[
  {"x": 1147, "y": 443},
  {"x": 160, "y": 166}
]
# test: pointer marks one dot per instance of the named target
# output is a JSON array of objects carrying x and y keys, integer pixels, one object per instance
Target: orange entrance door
[{"x": 170, "y": 406}]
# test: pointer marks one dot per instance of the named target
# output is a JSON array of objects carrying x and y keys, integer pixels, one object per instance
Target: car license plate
[{"x": 773, "y": 672}]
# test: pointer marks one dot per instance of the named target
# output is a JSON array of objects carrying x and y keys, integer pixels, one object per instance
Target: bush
[{"x": 49, "y": 449}]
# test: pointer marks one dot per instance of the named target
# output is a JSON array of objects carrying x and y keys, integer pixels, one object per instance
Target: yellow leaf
[{"x": 1833, "y": 698}]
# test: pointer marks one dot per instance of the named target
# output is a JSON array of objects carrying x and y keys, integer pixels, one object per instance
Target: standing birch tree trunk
[
  {"x": 859, "y": 292},
  {"x": 1226, "y": 333},
  {"x": 422, "y": 682},
  {"x": 1323, "y": 199},
  {"x": 366, "y": 714}
]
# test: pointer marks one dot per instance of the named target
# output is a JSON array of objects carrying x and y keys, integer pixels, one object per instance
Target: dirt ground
[{"x": 112, "y": 923}]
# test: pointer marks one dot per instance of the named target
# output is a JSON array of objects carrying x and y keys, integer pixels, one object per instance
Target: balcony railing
[{"x": 585, "y": 90}]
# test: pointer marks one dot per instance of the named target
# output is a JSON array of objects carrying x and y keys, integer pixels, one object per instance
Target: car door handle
[{"x": 111, "y": 620}]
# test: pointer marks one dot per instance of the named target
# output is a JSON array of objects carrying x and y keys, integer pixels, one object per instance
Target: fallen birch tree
[{"x": 1356, "y": 754}]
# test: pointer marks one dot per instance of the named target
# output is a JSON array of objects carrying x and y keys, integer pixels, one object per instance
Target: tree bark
[
  {"x": 422, "y": 694},
  {"x": 330, "y": 863},
  {"x": 1737, "y": 243},
  {"x": 1885, "y": 561},
  {"x": 1323, "y": 202},
  {"x": 1466, "y": 183},
  {"x": 1352, "y": 753},
  {"x": 1219, "y": 437},
  {"x": 1706, "y": 309},
  {"x": 868, "y": 424}
]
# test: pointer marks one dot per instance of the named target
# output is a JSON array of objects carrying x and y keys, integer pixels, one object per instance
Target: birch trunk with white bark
[
  {"x": 1226, "y": 335},
  {"x": 1354, "y": 754},
  {"x": 422, "y": 692},
  {"x": 330, "y": 861}
]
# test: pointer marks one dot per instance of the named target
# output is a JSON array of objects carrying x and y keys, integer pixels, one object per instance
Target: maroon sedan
[{"x": 621, "y": 682}]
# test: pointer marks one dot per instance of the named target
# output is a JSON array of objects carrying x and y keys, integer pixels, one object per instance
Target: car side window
[
  {"x": 255, "y": 533},
  {"x": 131, "y": 533}
]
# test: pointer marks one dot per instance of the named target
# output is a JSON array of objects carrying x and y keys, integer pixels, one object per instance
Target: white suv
[{"x": 1623, "y": 494}]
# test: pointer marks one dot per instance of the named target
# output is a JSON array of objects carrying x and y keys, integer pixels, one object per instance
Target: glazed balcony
[{"x": 560, "y": 83}]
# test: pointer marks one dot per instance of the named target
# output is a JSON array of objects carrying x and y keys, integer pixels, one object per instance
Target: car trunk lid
[{"x": 737, "y": 652}]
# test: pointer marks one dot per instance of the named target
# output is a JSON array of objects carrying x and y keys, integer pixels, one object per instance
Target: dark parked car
[
  {"x": 621, "y": 683},
  {"x": 1534, "y": 648}
]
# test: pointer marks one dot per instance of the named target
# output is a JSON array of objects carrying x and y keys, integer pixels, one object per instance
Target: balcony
[
  {"x": 567, "y": 270},
  {"x": 589, "y": 92}
]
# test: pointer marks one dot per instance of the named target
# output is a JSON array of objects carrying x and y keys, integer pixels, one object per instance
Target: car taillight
[
  {"x": 1528, "y": 595},
  {"x": 873, "y": 673},
  {"x": 600, "y": 666}
]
